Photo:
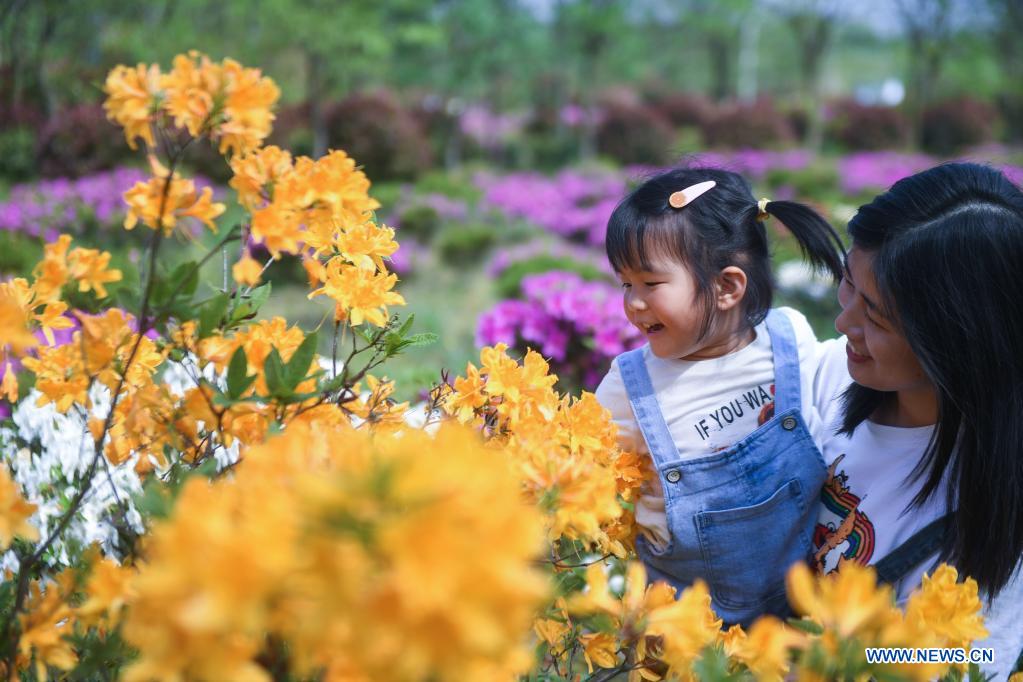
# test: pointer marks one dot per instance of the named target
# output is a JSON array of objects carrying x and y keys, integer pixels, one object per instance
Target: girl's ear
[{"x": 731, "y": 287}]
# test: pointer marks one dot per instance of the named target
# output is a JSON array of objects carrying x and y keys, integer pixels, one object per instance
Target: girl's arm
[{"x": 611, "y": 394}]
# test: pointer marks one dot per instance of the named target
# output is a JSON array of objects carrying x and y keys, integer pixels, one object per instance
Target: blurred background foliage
[{"x": 499, "y": 134}]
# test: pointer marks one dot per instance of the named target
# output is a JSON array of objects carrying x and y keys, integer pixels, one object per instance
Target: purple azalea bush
[
  {"x": 578, "y": 326},
  {"x": 489, "y": 129},
  {"x": 573, "y": 204},
  {"x": 46, "y": 208}
]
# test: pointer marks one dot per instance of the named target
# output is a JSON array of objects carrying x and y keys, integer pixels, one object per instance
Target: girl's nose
[{"x": 635, "y": 302}]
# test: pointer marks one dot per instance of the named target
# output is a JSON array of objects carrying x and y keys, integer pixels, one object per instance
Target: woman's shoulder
[
  {"x": 804, "y": 335},
  {"x": 831, "y": 375}
]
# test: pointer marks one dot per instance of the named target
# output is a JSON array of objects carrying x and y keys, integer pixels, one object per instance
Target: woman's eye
[
  {"x": 652, "y": 284},
  {"x": 625, "y": 285}
]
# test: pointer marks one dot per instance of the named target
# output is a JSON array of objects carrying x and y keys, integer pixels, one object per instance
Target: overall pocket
[{"x": 748, "y": 550}]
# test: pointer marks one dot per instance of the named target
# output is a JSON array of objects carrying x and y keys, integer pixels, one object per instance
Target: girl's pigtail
[{"x": 821, "y": 246}]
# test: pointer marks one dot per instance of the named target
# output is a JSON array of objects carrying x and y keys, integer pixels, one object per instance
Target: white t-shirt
[
  {"x": 708, "y": 405},
  {"x": 870, "y": 477}
]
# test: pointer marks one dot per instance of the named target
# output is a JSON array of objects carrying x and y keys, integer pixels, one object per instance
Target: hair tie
[
  {"x": 762, "y": 213},
  {"x": 685, "y": 196}
]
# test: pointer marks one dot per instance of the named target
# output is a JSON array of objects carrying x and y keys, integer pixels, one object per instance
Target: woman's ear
[{"x": 731, "y": 287}]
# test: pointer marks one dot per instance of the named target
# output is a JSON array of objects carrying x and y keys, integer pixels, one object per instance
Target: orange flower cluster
[
  {"x": 322, "y": 210},
  {"x": 226, "y": 101},
  {"x": 564, "y": 449},
  {"x": 165, "y": 198},
  {"x": 361, "y": 554}
]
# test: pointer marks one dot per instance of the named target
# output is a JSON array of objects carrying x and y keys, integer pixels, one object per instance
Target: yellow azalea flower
[
  {"x": 146, "y": 199},
  {"x": 256, "y": 173},
  {"x": 14, "y": 512},
  {"x": 247, "y": 271},
  {"x": 315, "y": 272},
  {"x": 521, "y": 389},
  {"x": 733, "y": 640},
  {"x": 1016, "y": 677},
  {"x": 89, "y": 268},
  {"x": 765, "y": 649},
  {"x": 348, "y": 528},
  {"x": 278, "y": 228},
  {"x": 191, "y": 89},
  {"x": 60, "y": 376},
  {"x": 45, "y": 623},
  {"x": 378, "y": 408},
  {"x": 107, "y": 592},
  {"x": 14, "y": 321},
  {"x": 248, "y": 100},
  {"x": 552, "y": 631},
  {"x": 600, "y": 648},
  {"x": 948, "y": 608},
  {"x": 132, "y": 99},
  {"x": 332, "y": 180},
  {"x": 52, "y": 318},
  {"x": 848, "y": 601},
  {"x": 9, "y": 385},
  {"x": 51, "y": 273},
  {"x": 365, "y": 245},
  {"x": 685, "y": 628},
  {"x": 468, "y": 395},
  {"x": 359, "y": 295}
]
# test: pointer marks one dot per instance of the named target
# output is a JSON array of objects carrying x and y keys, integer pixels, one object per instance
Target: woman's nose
[{"x": 847, "y": 323}]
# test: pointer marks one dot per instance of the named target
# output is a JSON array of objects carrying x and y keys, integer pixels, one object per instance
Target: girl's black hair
[
  {"x": 948, "y": 257},
  {"x": 718, "y": 229}
]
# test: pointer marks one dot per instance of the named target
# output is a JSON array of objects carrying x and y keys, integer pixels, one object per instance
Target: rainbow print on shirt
[{"x": 843, "y": 533}]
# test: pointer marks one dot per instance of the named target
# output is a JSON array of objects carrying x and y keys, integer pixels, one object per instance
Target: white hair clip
[{"x": 685, "y": 196}]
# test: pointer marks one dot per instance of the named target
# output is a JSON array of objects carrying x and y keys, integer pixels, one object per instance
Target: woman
[{"x": 926, "y": 463}]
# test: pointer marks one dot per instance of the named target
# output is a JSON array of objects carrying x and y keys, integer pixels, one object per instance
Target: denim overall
[{"x": 741, "y": 517}]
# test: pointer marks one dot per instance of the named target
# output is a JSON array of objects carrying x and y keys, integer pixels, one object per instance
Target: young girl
[{"x": 719, "y": 397}]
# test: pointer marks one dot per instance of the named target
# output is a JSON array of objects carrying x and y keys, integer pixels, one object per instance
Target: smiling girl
[{"x": 720, "y": 396}]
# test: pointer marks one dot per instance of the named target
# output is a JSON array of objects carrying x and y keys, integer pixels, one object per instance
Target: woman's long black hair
[
  {"x": 720, "y": 228},
  {"x": 948, "y": 260}
]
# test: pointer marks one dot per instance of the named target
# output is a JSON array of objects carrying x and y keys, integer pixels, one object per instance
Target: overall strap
[
  {"x": 644, "y": 405},
  {"x": 907, "y": 556},
  {"x": 786, "y": 362}
]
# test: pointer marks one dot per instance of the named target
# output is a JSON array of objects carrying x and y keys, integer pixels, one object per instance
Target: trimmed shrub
[
  {"x": 76, "y": 142},
  {"x": 381, "y": 135},
  {"x": 683, "y": 109},
  {"x": 291, "y": 130},
  {"x": 949, "y": 126},
  {"x": 754, "y": 125},
  {"x": 465, "y": 244},
  {"x": 633, "y": 133},
  {"x": 17, "y": 153},
  {"x": 868, "y": 128}
]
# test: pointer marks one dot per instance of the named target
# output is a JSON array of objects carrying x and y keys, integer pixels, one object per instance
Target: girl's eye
[
  {"x": 652, "y": 284},
  {"x": 625, "y": 285}
]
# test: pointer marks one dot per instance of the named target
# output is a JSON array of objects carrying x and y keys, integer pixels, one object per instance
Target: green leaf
[
  {"x": 273, "y": 369},
  {"x": 211, "y": 314},
  {"x": 298, "y": 366},
  {"x": 406, "y": 325},
  {"x": 185, "y": 276},
  {"x": 237, "y": 374},
  {"x": 424, "y": 339},
  {"x": 208, "y": 468},
  {"x": 805, "y": 625},
  {"x": 154, "y": 501}
]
